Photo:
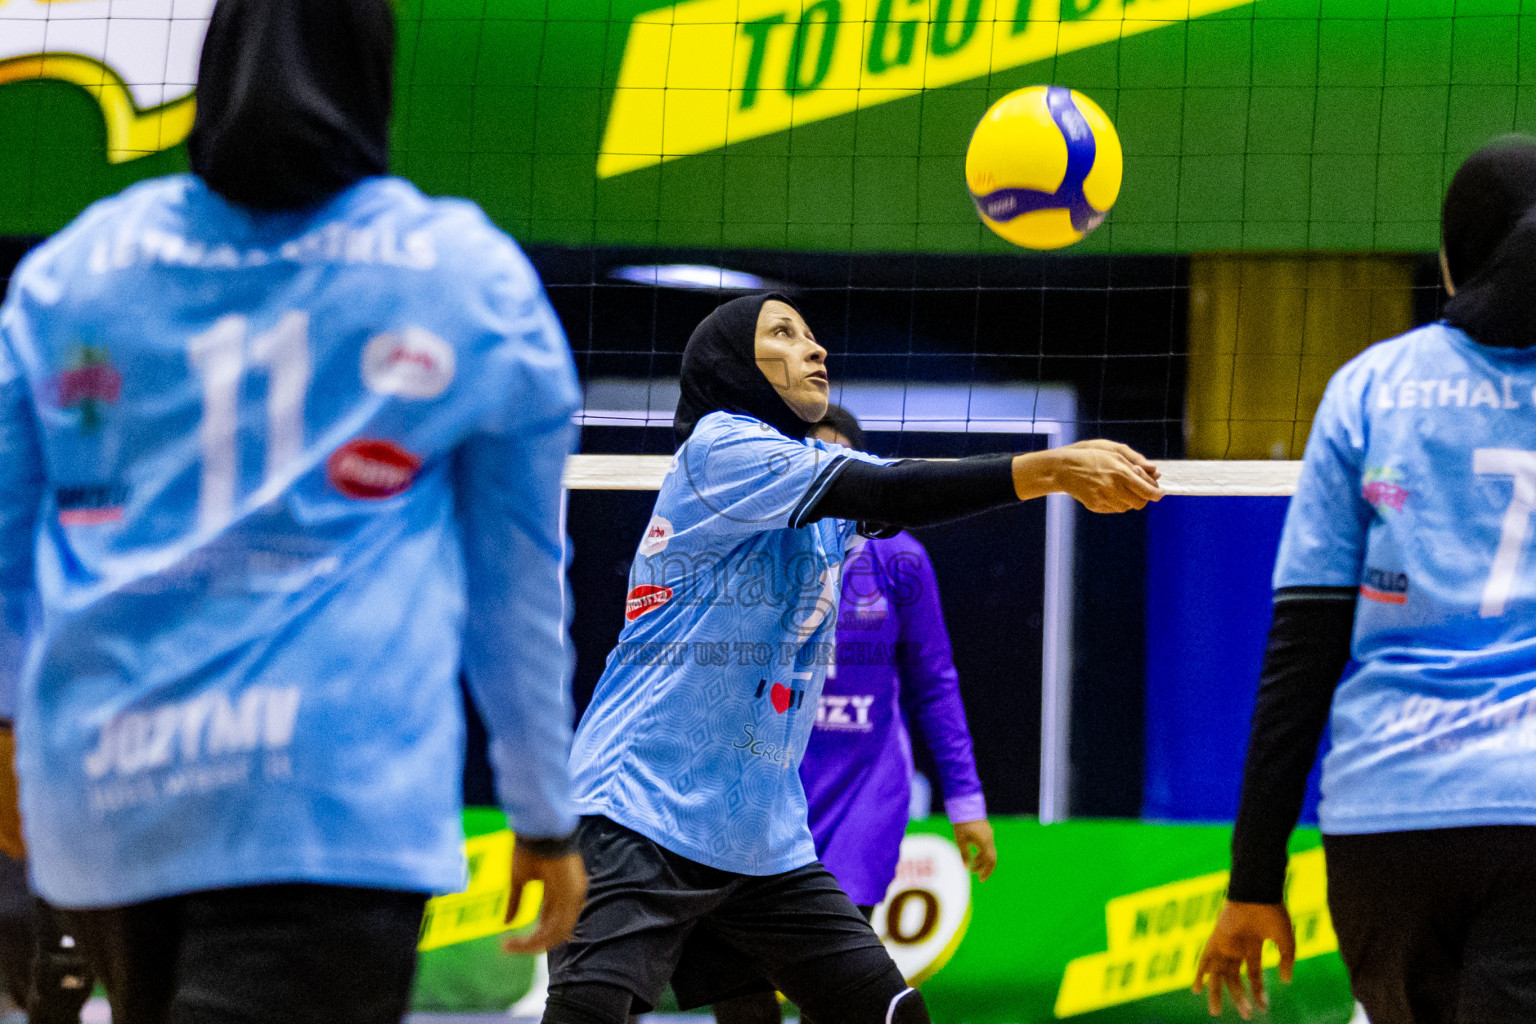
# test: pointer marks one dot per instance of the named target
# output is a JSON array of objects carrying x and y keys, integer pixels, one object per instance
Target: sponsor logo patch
[
  {"x": 645, "y": 599},
  {"x": 1385, "y": 586},
  {"x": 413, "y": 363},
  {"x": 773, "y": 753},
  {"x": 845, "y": 713},
  {"x": 372, "y": 469},
  {"x": 88, "y": 383},
  {"x": 658, "y": 533},
  {"x": 90, "y": 505},
  {"x": 1382, "y": 489}
]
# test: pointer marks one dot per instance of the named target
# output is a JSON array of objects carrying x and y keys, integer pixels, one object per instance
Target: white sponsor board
[
  {"x": 137, "y": 58},
  {"x": 927, "y": 908}
]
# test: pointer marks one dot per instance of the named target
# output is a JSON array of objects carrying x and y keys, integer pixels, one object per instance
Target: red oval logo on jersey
[
  {"x": 372, "y": 469},
  {"x": 644, "y": 599}
]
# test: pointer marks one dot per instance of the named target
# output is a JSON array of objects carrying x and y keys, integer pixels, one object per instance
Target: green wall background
[
  {"x": 1284, "y": 124},
  {"x": 1044, "y": 907}
]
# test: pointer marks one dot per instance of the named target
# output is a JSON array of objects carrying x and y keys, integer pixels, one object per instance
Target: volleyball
[{"x": 1044, "y": 166}]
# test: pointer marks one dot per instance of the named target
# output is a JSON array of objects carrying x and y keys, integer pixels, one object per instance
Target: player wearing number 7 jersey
[
  {"x": 280, "y": 448},
  {"x": 1408, "y": 545}
]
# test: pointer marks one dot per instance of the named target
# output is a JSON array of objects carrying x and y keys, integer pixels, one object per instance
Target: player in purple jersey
[
  {"x": 893, "y": 657},
  {"x": 703, "y": 869}
]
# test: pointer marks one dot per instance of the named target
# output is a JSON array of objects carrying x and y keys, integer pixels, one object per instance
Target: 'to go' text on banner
[{"x": 698, "y": 75}]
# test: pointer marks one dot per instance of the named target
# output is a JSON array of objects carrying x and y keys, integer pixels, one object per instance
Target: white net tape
[{"x": 1180, "y": 476}]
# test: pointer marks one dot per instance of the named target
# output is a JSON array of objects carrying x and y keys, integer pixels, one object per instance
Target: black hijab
[
  {"x": 293, "y": 99},
  {"x": 1488, "y": 227},
  {"x": 720, "y": 371}
]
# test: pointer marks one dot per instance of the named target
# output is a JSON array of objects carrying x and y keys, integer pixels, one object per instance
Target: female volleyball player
[
  {"x": 893, "y": 657},
  {"x": 279, "y": 442},
  {"x": 702, "y": 867},
  {"x": 1407, "y": 545}
]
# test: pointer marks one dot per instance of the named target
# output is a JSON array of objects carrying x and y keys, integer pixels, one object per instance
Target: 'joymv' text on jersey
[
  {"x": 1418, "y": 488},
  {"x": 699, "y": 721},
  {"x": 262, "y": 462}
]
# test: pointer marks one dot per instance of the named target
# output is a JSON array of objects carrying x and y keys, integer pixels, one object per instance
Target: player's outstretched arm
[{"x": 1103, "y": 475}]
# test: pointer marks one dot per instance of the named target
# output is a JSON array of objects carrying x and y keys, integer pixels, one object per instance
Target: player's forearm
[
  {"x": 935, "y": 705},
  {"x": 916, "y": 492},
  {"x": 518, "y": 666},
  {"x": 21, "y": 492},
  {"x": 1306, "y": 653},
  {"x": 516, "y": 655}
]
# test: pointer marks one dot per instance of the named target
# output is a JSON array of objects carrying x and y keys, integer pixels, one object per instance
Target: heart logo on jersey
[{"x": 781, "y": 696}]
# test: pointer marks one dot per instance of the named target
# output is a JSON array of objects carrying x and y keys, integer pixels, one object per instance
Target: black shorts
[
  {"x": 1438, "y": 926},
  {"x": 267, "y": 954},
  {"x": 653, "y": 916}
]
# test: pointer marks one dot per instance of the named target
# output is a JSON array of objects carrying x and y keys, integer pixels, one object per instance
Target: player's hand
[
  {"x": 1105, "y": 476},
  {"x": 977, "y": 848},
  {"x": 565, "y": 890},
  {"x": 1238, "y": 941}
]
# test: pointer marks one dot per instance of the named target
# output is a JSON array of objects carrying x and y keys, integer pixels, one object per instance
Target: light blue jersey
[
  {"x": 1418, "y": 488},
  {"x": 258, "y": 466},
  {"x": 696, "y": 730}
]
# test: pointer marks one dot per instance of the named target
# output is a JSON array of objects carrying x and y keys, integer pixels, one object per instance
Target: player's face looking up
[{"x": 790, "y": 358}]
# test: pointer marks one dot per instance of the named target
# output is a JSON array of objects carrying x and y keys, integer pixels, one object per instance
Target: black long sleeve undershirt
[
  {"x": 1306, "y": 653},
  {"x": 915, "y": 492}
]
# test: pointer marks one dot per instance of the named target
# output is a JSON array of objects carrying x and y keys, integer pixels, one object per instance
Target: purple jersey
[{"x": 892, "y": 652}]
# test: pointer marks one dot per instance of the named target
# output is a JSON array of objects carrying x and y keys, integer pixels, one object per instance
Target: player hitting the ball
[{"x": 702, "y": 867}]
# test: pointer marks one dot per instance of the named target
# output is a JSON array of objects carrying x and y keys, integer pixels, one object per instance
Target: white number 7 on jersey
[{"x": 1521, "y": 466}]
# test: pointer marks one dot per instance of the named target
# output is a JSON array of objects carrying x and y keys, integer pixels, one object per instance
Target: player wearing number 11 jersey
[
  {"x": 280, "y": 449},
  {"x": 1408, "y": 546}
]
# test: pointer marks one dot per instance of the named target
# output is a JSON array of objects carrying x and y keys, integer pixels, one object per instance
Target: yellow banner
[
  {"x": 1155, "y": 937},
  {"x": 700, "y": 74},
  {"x": 481, "y": 909}
]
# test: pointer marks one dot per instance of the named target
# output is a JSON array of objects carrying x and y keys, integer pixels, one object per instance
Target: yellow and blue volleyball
[{"x": 1044, "y": 166}]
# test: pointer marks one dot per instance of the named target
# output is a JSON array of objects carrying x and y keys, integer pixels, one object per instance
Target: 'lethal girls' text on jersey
[
  {"x": 261, "y": 462},
  {"x": 1418, "y": 488},
  {"x": 700, "y": 719}
]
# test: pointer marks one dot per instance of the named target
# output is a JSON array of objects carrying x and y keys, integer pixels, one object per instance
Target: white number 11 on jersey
[
  {"x": 219, "y": 355},
  {"x": 1510, "y": 462}
]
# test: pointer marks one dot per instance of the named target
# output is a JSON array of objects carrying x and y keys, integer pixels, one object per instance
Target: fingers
[
  {"x": 520, "y": 878},
  {"x": 1216, "y": 972},
  {"x": 986, "y": 861},
  {"x": 1220, "y": 967},
  {"x": 1143, "y": 487},
  {"x": 1140, "y": 461},
  {"x": 1253, "y": 959},
  {"x": 1232, "y": 978},
  {"x": 565, "y": 889},
  {"x": 1286, "y": 940},
  {"x": 555, "y": 926}
]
